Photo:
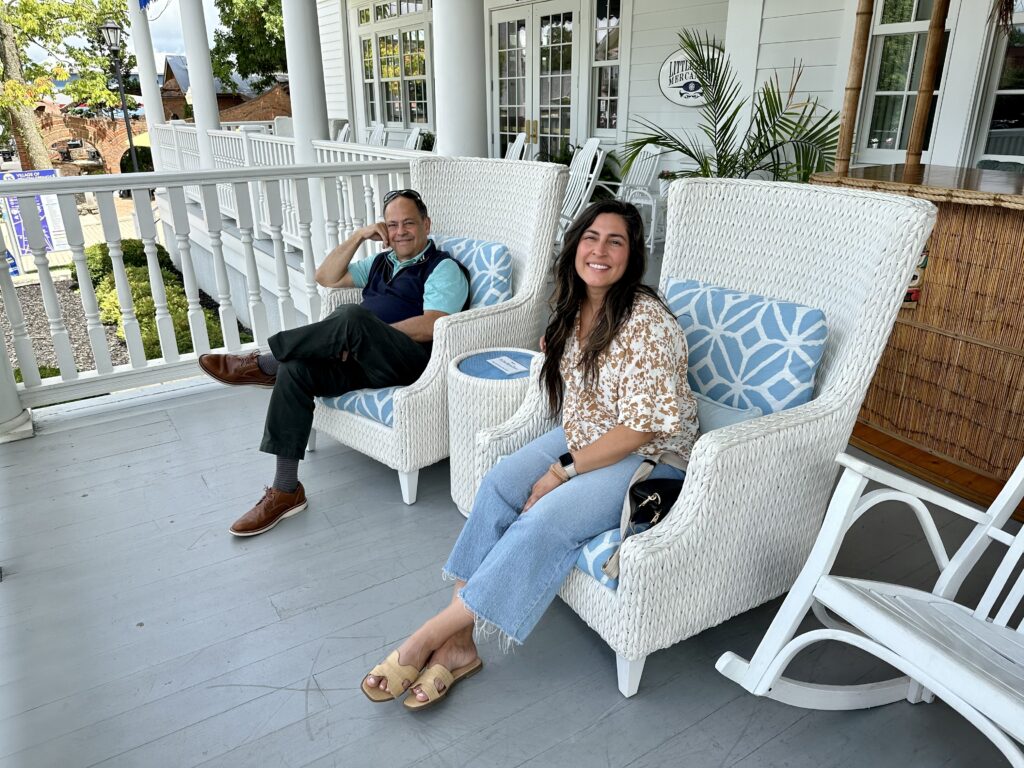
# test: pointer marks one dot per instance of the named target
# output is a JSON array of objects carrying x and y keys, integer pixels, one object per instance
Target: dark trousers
[{"x": 311, "y": 366}]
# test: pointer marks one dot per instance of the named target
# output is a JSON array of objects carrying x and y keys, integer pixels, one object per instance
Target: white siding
[
  {"x": 806, "y": 32},
  {"x": 655, "y": 34},
  {"x": 332, "y": 48}
]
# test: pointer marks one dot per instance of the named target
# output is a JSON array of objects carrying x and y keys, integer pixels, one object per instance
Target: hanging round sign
[{"x": 678, "y": 81}]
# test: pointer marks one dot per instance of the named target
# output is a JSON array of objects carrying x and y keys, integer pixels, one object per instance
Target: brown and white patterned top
[{"x": 641, "y": 385}]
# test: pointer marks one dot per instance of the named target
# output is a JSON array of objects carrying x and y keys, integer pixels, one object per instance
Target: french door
[{"x": 534, "y": 63}]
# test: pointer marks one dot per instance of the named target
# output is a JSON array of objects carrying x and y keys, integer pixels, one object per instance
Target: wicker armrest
[
  {"x": 336, "y": 297},
  {"x": 529, "y": 422}
]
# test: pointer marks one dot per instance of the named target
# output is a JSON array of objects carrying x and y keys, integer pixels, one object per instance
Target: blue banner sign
[{"x": 47, "y": 210}]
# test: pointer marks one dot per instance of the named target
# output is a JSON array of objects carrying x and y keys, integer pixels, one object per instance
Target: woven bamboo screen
[{"x": 951, "y": 380}]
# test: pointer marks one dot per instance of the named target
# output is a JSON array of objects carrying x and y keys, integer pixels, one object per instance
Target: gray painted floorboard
[{"x": 136, "y": 632}]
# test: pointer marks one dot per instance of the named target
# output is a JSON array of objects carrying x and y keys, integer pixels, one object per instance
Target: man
[{"x": 383, "y": 342}]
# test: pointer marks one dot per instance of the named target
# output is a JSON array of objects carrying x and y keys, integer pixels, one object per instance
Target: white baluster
[
  {"x": 331, "y": 186},
  {"x": 112, "y": 234},
  {"x": 196, "y": 316},
  {"x": 147, "y": 233},
  {"x": 94, "y": 326},
  {"x": 305, "y": 211},
  {"x": 226, "y": 311},
  {"x": 257, "y": 312},
  {"x": 30, "y": 216},
  {"x": 345, "y": 192},
  {"x": 23, "y": 351},
  {"x": 285, "y": 305}
]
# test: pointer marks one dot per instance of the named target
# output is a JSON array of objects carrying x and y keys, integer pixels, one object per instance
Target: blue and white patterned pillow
[
  {"x": 489, "y": 265},
  {"x": 376, "y": 404},
  {"x": 746, "y": 350},
  {"x": 595, "y": 554}
]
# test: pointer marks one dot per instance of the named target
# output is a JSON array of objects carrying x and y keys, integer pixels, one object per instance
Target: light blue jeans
[{"x": 514, "y": 564}]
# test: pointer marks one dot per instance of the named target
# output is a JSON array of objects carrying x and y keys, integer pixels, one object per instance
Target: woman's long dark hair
[{"x": 570, "y": 291}]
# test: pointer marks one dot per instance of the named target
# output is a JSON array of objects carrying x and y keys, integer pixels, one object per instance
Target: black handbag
[
  {"x": 647, "y": 502},
  {"x": 650, "y": 500}
]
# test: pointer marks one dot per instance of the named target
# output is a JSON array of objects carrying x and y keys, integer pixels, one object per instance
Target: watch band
[{"x": 568, "y": 464}]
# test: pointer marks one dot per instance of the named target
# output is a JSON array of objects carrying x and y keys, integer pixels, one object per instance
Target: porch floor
[{"x": 137, "y": 632}]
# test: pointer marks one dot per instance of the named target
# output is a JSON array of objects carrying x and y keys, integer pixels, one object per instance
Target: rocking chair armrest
[{"x": 912, "y": 487}]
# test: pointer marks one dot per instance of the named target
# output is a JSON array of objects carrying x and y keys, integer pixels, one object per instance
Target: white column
[
  {"x": 460, "y": 84},
  {"x": 200, "y": 76},
  {"x": 142, "y": 44},
  {"x": 15, "y": 421},
  {"x": 309, "y": 100}
]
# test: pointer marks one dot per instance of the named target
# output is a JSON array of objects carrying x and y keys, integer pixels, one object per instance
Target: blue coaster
[{"x": 507, "y": 364}]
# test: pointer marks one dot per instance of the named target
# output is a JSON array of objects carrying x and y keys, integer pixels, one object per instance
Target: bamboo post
[
  {"x": 932, "y": 52},
  {"x": 854, "y": 83}
]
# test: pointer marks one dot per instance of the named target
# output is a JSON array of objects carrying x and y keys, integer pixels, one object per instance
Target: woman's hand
[{"x": 544, "y": 485}]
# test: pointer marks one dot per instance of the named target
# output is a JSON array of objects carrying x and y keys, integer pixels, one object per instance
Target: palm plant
[{"x": 787, "y": 139}]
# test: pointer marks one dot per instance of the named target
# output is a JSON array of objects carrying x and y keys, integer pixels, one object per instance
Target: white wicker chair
[
  {"x": 755, "y": 492},
  {"x": 496, "y": 200}
]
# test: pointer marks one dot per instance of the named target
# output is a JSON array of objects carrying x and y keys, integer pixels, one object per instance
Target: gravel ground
[{"x": 38, "y": 327}]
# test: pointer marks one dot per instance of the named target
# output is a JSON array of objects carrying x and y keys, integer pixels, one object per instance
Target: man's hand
[
  {"x": 377, "y": 232},
  {"x": 544, "y": 485},
  {"x": 333, "y": 271}
]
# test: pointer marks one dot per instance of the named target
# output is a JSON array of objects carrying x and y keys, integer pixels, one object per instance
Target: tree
[
  {"x": 252, "y": 43},
  {"x": 62, "y": 29}
]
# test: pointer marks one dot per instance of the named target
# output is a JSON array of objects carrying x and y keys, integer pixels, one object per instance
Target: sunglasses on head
[{"x": 412, "y": 194}]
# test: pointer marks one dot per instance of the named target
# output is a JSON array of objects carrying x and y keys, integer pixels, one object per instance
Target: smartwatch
[{"x": 568, "y": 464}]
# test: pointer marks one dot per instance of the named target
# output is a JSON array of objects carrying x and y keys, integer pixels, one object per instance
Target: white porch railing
[{"x": 228, "y": 248}]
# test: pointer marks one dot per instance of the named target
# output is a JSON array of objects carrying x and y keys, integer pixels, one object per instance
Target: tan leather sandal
[
  {"x": 427, "y": 683},
  {"x": 395, "y": 673}
]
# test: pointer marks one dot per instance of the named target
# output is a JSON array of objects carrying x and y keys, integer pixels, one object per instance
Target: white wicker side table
[{"x": 484, "y": 389}]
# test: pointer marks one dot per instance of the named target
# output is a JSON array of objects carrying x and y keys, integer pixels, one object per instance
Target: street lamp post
[{"x": 112, "y": 37}]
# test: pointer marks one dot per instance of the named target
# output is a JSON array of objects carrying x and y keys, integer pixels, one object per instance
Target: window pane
[
  {"x": 895, "y": 64},
  {"x": 387, "y": 53},
  {"x": 1006, "y": 132},
  {"x": 414, "y": 60},
  {"x": 915, "y": 75},
  {"x": 924, "y": 10},
  {"x": 885, "y": 122},
  {"x": 385, "y": 11},
  {"x": 1012, "y": 76},
  {"x": 606, "y": 31},
  {"x": 367, "y": 46},
  {"x": 364, "y": 16},
  {"x": 391, "y": 94},
  {"x": 411, "y": 6},
  {"x": 908, "y": 119},
  {"x": 896, "y": 11},
  {"x": 371, "y": 104},
  {"x": 416, "y": 93}
]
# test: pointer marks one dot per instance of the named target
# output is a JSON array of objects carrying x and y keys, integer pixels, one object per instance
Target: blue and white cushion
[
  {"x": 745, "y": 350},
  {"x": 595, "y": 554},
  {"x": 489, "y": 265},
  {"x": 376, "y": 404}
]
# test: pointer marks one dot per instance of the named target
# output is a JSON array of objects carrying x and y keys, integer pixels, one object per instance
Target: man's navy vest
[{"x": 393, "y": 297}]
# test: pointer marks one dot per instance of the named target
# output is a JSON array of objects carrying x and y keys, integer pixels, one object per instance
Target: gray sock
[
  {"x": 268, "y": 363},
  {"x": 286, "y": 477}
]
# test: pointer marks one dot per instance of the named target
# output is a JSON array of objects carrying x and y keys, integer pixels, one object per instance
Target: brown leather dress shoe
[
  {"x": 274, "y": 507},
  {"x": 236, "y": 369}
]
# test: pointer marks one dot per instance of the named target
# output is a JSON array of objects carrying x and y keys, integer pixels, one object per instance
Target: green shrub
[
  {"x": 98, "y": 258},
  {"x": 45, "y": 372},
  {"x": 145, "y": 310}
]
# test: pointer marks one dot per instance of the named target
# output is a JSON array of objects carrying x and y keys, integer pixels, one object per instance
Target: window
[
  {"x": 898, "y": 45},
  {"x": 605, "y": 85},
  {"x": 1003, "y": 137},
  {"x": 369, "y": 85},
  {"x": 394, "y": 61}
]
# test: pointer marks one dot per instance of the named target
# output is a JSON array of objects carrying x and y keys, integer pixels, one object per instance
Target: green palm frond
[{"x": 786, "y": 139}]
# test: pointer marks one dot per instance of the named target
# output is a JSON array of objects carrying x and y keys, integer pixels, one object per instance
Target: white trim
[
  {"x": 742, "y": 45},
  {"x": 625, "y": 54}
]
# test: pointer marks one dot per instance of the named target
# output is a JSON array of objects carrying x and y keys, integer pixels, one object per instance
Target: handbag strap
[{"x": 611, "y": 566}]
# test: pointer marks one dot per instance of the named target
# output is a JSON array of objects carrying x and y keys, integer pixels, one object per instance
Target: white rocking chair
[
  {"x": 415, "y": 138},
  {"x": 584, "y": 170},
  {"x": 517, "y": 148},
  {"x": 378, "y": 136},
  {"x": 635, "y": 187},
  {"x": 973, "y": 660}
]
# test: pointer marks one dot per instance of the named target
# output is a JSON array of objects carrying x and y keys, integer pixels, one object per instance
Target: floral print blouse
[{"x": 641, "y": 384}]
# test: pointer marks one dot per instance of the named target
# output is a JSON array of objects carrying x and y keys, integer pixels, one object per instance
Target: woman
[{"x": 615, "y": 367}]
